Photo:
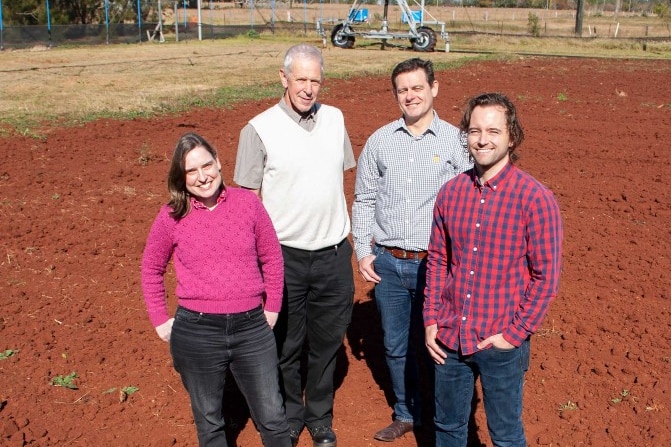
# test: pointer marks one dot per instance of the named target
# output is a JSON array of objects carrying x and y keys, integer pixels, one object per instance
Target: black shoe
[
  {"x": 323, "y": 436},
  {"x": 294, "y": 435}
]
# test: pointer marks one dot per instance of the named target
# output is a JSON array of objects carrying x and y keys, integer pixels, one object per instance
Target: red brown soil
[{"x": 76, "y": 207}]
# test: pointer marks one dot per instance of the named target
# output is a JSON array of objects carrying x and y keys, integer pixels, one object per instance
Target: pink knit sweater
[{"x": 227, "y": 260}]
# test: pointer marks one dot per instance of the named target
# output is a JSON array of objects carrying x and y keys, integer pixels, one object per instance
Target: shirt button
[
  {"x": 463, "y": 318},
  {"x": 482, "y": 200},
  {"x": 477, "y": 225},
  {"x": 468, "y": 295},
  {"x": 472, "y": 272},
  {"x": 475, "y": 248}
]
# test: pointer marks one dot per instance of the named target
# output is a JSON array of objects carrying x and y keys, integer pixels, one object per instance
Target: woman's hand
[
  {"x": 271, "y": 318},
  {"x": 164, "y": 330}
]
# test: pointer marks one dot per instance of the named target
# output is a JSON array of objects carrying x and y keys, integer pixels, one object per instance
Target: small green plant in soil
[
  {"x": 8, "y": 353},
  {"x": 127, "y": 391},
  {"x": 65, "y": 381},
  {"x": 568, "y": 406},
  {"x": 623, "y": 396},
  {"x": 130, "y": 389},
  {"x": 145, "y": 155},
  {"x": 123, "y": 392}
]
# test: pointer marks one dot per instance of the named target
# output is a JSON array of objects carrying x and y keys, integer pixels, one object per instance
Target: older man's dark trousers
[{"x": 317, "y": 309}]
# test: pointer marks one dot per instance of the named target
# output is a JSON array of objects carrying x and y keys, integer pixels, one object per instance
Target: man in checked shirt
[
  {"x": 400, "y": 170},
  {"x": 493, "y": 269}
]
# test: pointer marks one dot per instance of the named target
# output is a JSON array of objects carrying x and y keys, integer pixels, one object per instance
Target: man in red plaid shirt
[{"x": 494, "y": 260}]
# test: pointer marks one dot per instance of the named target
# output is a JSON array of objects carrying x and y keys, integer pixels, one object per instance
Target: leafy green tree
[
  {"x": 663, "y": 9},
  {"x": 79, "y": 11},
  {"x": 66, "y": 12},
  {"x": 533, "y": 25},
  {"x": 23, "y": 12}
]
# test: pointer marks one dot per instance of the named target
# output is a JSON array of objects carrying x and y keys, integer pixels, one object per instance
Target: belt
[
  {"x": 330, "y": 247},
  {"x": 399, "y": 253},
  {"x": 333, "y": 247}
]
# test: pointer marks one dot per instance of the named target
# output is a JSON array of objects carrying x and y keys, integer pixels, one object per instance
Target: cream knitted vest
[{"x": 302, "y": 186}]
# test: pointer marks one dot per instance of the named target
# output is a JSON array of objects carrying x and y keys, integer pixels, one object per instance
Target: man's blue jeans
[
  {"x": 205, "y": 346},
  {"x": 399, "y": 297},
  {"x": 501, "y": 375}
]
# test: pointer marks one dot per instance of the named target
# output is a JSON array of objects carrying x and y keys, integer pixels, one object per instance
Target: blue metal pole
[
  {"x": 2, "y": 47},
  {"x": 49, "y": 22},
  {"x": 185, "y": 16},
  {"x": 305, "y": 17},
  {"x": 139, "y": 20},
  {"x": 107, "y": 23}
]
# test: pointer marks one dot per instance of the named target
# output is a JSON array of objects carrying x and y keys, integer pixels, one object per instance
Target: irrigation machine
[{"x": 422, "y": 37}]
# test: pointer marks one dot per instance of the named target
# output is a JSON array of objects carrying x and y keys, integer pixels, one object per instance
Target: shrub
[
  {"x": 662, "y": 10},
  {"x": 533, "y": 25}
]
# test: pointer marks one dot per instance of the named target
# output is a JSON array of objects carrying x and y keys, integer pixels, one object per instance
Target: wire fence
[
  {"x": 174, "y": 23},
  {"x": 215, "y": 20},
  {"x": 22, "y": 37}
]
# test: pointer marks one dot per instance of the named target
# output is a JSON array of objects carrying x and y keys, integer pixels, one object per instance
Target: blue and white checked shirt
[{"x": 398, "y": 178}]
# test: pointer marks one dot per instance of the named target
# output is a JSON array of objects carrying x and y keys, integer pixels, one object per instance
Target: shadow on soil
[{"x": 365, "y": 339}]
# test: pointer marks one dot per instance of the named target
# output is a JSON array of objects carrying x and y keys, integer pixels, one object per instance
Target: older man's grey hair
[{"x": 303, "y": 51}]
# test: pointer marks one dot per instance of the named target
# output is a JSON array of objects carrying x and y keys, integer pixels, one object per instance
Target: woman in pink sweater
[{"x": 229, "y": 270}]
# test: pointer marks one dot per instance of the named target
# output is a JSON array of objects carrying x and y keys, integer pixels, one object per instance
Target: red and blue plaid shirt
[{"x": 494, "y": 258}]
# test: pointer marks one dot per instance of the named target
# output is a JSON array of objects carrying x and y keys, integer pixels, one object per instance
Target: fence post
[
  {"x": 578, "y": 18},
  {"x": 211, "y": 19},
  {"x": 161, "y": 38},
  {"x": 107, "y": 23},
  {"x": 272, "y": 16},
  {"x": 200, "y": 20},
  {"x": 176, "y": 23},
  {"x": 251, "y": 14},
  {"x": 49, "y": 22},
  {"x": 139, "y": 20},
  {"x": 2, "y": 47}
]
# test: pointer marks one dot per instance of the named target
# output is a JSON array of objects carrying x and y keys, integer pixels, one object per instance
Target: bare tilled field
[{"x": 76, "y": 203}]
